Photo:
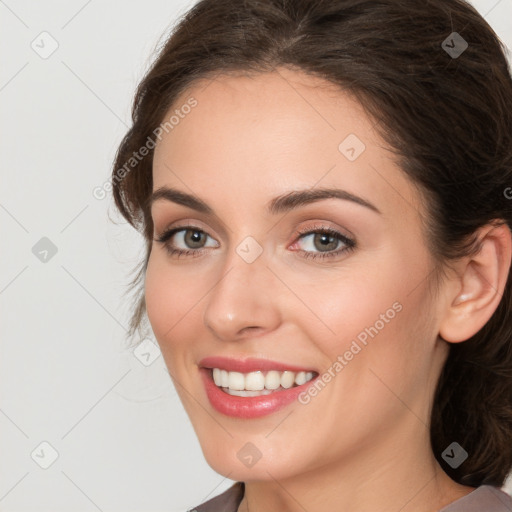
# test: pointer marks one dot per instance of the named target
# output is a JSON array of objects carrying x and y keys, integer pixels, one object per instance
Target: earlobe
[{"x": 479, "y": 285}]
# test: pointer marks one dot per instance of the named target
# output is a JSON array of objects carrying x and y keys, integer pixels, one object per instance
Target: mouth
[
  {"x": 252, "y": 388},
  {"x": 258, "y": 383}
]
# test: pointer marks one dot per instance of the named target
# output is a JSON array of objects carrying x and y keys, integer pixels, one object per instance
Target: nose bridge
[{"x": 241, "y": 298}]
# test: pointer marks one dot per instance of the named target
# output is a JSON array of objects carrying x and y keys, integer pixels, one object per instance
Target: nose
[{"x": 243, "y": 302}]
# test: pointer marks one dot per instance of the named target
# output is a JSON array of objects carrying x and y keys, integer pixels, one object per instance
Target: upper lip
[{"x": 249, "y": 365}]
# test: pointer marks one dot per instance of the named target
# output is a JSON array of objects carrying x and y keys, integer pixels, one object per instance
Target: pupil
[
  {"x": 326, "y": 240},
  {"x": 195, "y": 238}
]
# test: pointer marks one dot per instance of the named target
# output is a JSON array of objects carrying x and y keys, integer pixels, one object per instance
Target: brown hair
[{"x": 447, "y": 116}]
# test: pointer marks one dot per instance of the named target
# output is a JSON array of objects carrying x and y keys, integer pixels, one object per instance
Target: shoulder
[
  {"x": 228, "y": 501},
  {"x": 485, "y": 498}
]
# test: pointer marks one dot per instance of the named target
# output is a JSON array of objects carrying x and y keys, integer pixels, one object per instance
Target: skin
[{"x": 361, "y": 444}]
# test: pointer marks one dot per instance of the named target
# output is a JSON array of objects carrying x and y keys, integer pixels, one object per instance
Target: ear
[{"x": 473, "y": 296}]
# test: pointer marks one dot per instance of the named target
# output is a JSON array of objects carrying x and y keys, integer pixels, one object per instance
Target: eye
[
  {"x": 323, "y": 242},
  {"x": 317, "y": 242},
  {"x": 185, "y": 240}
]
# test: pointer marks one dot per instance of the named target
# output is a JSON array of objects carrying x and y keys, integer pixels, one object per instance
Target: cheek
[
  {"x": 364, "y": 326},
  {"x": 379, "y": 349},
  {"x": 342, "y": 303},
  {"x": 171, "y": 303},
  {"x": 371, "y": 313}
]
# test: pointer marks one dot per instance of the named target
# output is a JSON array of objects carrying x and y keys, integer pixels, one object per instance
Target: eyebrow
[{"x": 280, "y": 204}]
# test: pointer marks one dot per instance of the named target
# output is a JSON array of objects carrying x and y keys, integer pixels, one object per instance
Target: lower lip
[{"x": 250, "y": 406}]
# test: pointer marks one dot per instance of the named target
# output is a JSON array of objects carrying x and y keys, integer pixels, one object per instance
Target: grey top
[{"x": 485, "y": 498}]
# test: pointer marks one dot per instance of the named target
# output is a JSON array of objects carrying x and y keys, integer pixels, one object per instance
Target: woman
[{"x": 324, "y": 189}]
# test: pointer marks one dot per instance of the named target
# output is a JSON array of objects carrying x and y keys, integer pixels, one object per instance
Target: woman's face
[{"x": 310, "y": 285}]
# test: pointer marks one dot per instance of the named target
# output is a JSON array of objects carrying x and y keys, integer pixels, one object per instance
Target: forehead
[
  {"x": 278, "y": 130},
  {"x": 267, "y": 104}
]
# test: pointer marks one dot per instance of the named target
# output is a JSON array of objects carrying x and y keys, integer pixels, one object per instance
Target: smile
[
  {"x": 258, "y": 383},
  {"x": 252, "y": 388}
]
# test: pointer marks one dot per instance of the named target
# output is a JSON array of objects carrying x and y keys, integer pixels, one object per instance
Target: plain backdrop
[{"x": 85, "y": 424}]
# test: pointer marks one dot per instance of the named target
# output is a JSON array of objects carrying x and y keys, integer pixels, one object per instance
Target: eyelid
[
  {"x": 325, "y": 226},
  {"x": 168, "y": 233},
  {"x": 213, "y": 222},
  {"x": 184, "y": 224}
]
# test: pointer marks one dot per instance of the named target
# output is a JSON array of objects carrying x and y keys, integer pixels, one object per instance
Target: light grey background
[{"x": 123, "y": 440}]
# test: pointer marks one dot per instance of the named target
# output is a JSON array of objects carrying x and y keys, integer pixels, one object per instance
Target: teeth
[
  {"x": 254, "y": 381},
  {"x": 236, "y": 381},
  {"x": 272, "y": 380},
  {"x": 258, "y": 383},
  {"x": 287, "y": 379},
  {"x": 300, "y": 378},
  {"x": 248, "y": 393}
]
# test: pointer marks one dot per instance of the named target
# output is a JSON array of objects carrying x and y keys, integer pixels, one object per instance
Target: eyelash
[{"x": 349, "y": 244}]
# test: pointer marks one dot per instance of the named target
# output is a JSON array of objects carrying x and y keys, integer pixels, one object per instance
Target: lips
[
  {"x": 250, "y": 365},
  {"x": 230, "y": 403}
]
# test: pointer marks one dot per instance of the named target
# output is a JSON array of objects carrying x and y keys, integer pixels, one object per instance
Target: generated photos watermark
[
  {"x": 357, "y": 345},
  {"x": 100, "y": 192}
]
